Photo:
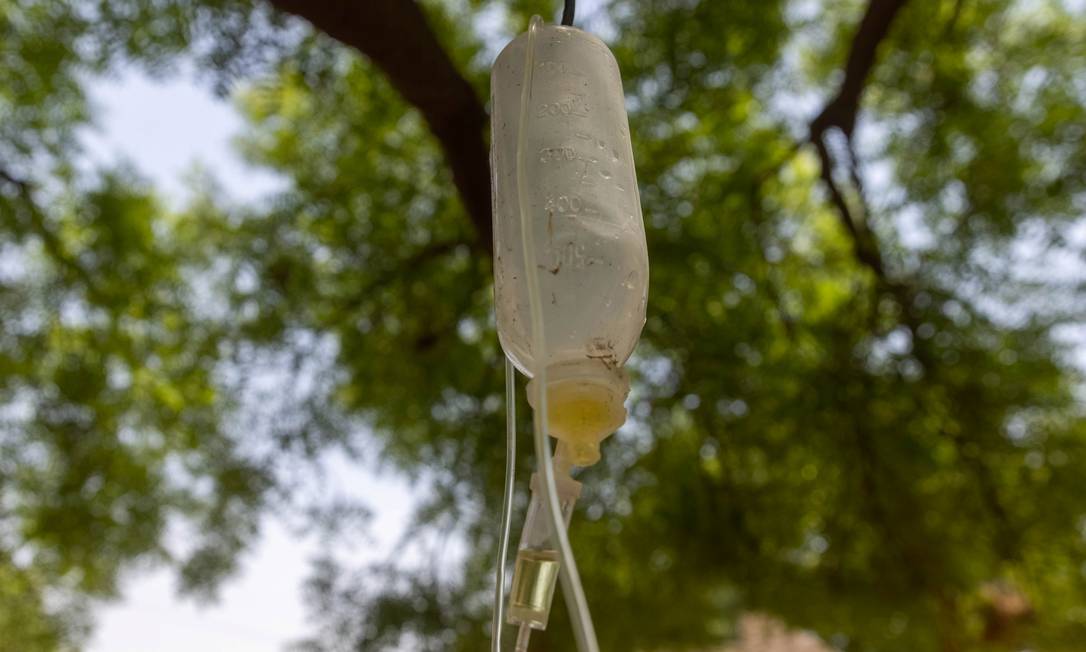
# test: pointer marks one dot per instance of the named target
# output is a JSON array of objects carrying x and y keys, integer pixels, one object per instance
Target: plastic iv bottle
[{"x": 588, "y": 231}]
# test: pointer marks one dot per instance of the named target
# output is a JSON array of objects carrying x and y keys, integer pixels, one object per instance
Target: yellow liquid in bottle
[{"x": 534, "y": 578}]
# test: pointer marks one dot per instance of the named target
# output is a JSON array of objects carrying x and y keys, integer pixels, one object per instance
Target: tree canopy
[{"x": 855, "y": 401}]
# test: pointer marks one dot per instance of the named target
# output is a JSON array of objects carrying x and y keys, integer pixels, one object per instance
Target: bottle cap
[{"x": 584, "y": 406}]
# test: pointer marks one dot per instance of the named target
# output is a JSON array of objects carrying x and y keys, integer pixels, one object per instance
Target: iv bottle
[{"x": 589, "y": 236}]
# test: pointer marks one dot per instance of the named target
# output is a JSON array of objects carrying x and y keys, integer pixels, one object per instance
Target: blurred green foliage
[{"x": 874, "y": 458}]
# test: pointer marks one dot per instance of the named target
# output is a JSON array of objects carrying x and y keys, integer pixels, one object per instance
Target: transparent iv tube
[
  {"x": 507, "y": 503},
  {"x": 571, "y": 582}
]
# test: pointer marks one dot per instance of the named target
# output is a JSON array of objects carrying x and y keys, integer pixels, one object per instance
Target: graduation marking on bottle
[
  {"x": 559, "y": 68},
  {"x": 557, "y": 154},
  {"x": 574, "y": 106},
  {"x": 568, "y": 254},
  {"x": 569, "y": 206}
]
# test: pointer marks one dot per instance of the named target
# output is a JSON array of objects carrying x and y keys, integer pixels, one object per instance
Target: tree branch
[
  {"x": 840, "y": 113},
  {"x": 20, "y": 185},
  {"x": 50, "y": 241},
  {"x": 394, "y": 35}
]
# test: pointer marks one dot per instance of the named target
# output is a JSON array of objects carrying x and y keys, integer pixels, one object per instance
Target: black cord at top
[{"x": 567, "y": 12}]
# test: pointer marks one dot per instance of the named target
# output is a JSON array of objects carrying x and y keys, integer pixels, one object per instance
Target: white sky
[{"x": 165, "y": 128}]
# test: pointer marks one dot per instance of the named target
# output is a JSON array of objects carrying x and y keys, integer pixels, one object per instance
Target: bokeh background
[{"x": 250, "y": 390}]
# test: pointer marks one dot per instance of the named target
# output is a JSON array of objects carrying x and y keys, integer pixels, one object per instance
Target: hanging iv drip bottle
[{"x": 589, "y": 238}]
